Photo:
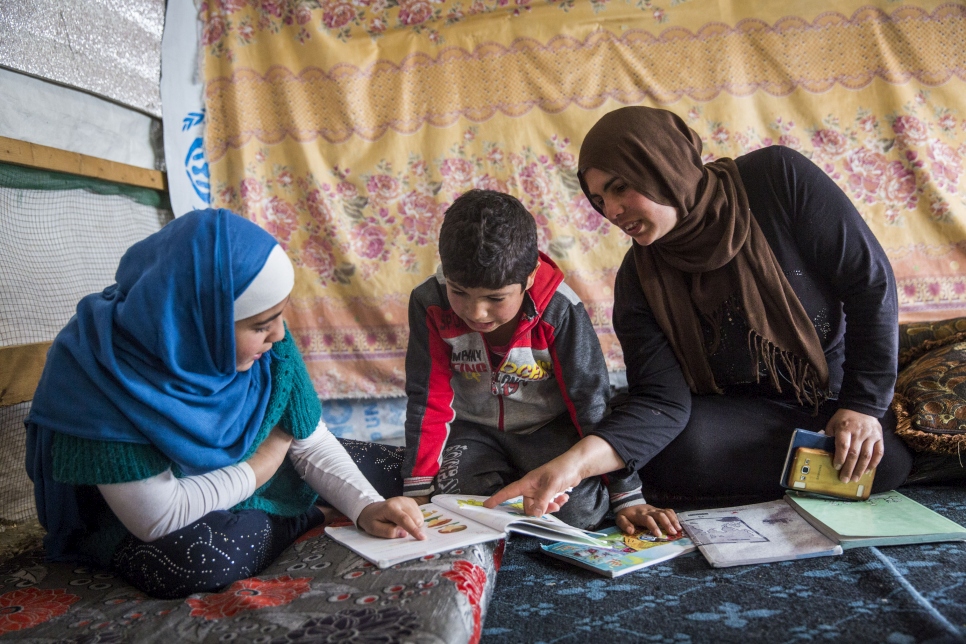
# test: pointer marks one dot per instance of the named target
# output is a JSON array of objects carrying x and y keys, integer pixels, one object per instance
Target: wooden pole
[{"x": 47, "y": 158}]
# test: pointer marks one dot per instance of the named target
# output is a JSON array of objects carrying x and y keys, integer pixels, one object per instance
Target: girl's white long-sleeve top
[{"x": 154, "y": 507}]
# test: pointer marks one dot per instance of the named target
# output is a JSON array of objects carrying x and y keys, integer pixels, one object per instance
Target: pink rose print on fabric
[
  {"x": 565, "y": 160},
  {"x": 232, "y": 6},
  {"x": 303, "y": 14},
  {"x": 947, "y": 123},
  {"x": 939, "y": 209},
  {"x": 421, "y": 216},
  {"x": 486, "y": 182},
  {"x": 534, "y": 182},
  {"x": 319, "y": 207},
  {"x": 866, "y": 170},
  {"x": 346, "y": 190},
  {"x": 317, "y": 254},
  {"x": 872, "y": 178},
  {"x": 252, "y": 193},
  {"x": 414, "y": 12},
  {"x": 584, "y": 217},
  {"x": 720, "y": 135},
  {"x": 900, "y": 188},
  {"x": 456, "y": 171},
  {"x": 383, "y": 187},
  {"x": 213, "y": 30},
  {"x": 910, "y": 131},
  {"x": 271, "y": 8},
  {"x": 947, "y": 165},
  {"x": 790, "y": 141},
  {"x": 830, "y": 143},
  {"x": 369, "y": 241},
  {"x": 281, "y": 220},
  {"x": 337, "y": 14}
]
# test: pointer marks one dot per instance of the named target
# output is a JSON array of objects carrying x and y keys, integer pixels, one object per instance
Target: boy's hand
[
  {"x": 392, "y": 518},
  {"x": 420, "y": 500},
  {"x": 648, "y": 517}
]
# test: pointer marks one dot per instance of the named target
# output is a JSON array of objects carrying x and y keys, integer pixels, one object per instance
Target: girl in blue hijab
[{"x": 175, "y": 435}]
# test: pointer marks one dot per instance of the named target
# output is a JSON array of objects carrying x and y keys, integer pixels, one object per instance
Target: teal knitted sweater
[{"x": 293, "y": 405}]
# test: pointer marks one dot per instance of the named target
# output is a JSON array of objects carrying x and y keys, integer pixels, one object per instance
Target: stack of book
[{"x": 800, "y": 527}]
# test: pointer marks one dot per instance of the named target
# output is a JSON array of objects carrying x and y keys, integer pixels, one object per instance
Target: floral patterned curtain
[{"x": 346, "y": 127}]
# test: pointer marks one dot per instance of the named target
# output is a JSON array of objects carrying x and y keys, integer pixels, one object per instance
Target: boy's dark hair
[{"x": 488, "y": 240}]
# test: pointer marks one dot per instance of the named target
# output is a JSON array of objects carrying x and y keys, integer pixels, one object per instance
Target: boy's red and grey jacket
[{"x": 553, "y": 365}]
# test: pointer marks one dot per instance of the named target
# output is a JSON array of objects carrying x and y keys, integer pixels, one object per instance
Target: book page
[
  {"x": 444, "y": 531},
  {"x": 509, "y": 515}
]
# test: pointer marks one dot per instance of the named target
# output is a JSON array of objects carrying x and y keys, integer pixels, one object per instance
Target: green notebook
[{"x": 886, "y": 519}]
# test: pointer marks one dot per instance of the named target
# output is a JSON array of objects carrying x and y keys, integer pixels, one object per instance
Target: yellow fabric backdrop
[{"x": 345, "y": 128}]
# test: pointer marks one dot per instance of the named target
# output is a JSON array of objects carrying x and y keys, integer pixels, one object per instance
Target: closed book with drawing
[
  {"x": 623, "y": 554},
  {"x": 756, "y": 533},
  {"x": 885, "y": 519},
  {"x": 454, "y": 521}
]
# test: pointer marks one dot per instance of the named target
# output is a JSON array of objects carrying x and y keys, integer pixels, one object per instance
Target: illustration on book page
[{"x": 712, "y": 530}]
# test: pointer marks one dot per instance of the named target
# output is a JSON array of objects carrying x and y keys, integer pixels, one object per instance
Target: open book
[
  {"x": 886, "y": 519},
  {"x": 624, "y": 554},
  {"x": 756, "y": 533},
  {"x": 454, "y": 521}
]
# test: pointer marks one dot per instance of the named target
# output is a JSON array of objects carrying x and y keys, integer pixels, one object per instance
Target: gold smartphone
[{"x": 812, "y": 471}]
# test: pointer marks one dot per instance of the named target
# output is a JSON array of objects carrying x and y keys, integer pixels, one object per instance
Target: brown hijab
[{"x": 714, "y": 254}]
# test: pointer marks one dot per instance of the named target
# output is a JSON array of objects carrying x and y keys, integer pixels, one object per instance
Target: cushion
[
  {"x": 917, "y": 338},
  {"x": 316, "y": 591},
  {"x": 930, "y": 399}
]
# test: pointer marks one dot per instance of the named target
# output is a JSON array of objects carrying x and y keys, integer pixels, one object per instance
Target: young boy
[{"x": 504, "y": 371}]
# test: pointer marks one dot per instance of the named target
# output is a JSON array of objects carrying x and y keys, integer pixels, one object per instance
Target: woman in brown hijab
[{"x": 731, "y": 309}]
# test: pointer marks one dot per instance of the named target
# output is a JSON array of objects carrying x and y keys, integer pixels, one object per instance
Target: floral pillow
[
  {"x": 930, "y": 399},
  {"x": 916, "y": 338}
]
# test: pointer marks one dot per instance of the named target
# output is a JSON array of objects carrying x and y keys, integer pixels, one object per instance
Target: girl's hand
[
  {"x": 650, "y": 518},
  {"x": 269, "y": 456},
  {"x": 858, "y": 443},
  {"x": 392, "y": 518}
]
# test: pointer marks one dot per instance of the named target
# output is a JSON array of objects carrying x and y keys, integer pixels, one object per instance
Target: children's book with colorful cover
[
  {"x": 885, "y": 519},
  {"x": 454, "y": 521},
  {"x": 625, "y": 553},
  {"x": 756, "y": 533}
]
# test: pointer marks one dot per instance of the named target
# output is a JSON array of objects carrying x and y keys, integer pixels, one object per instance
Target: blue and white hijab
[{"x": 151, "y": 359}]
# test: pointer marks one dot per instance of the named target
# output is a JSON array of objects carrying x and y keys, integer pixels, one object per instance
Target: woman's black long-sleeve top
[{"x": 836, "y": 267}]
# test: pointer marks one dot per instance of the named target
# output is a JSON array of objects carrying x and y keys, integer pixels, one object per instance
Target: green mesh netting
[
  {"x": 61, "y": 237},
  {"x": 13, "y": 176}
]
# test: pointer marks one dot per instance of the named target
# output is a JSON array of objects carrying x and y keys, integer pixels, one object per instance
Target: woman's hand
[
  {"x": 655, "y": 520},
  {"x": 392, "y": 518},
  {"x": 269, "y": 456},
  {"x": 545, "y": 488},
  {"x": 858, "y": 443}
]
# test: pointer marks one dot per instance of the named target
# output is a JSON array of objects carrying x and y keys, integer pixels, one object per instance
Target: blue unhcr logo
[{"x": 195, "y": 163}]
